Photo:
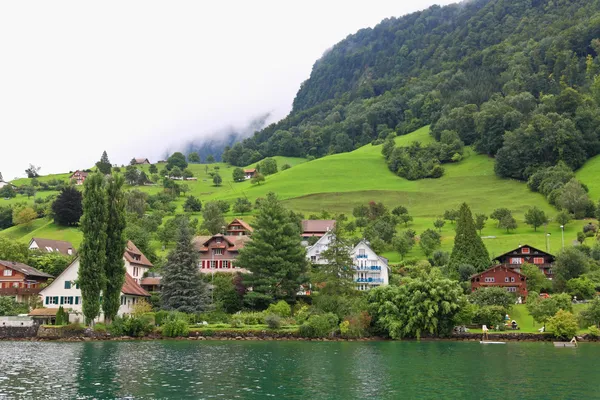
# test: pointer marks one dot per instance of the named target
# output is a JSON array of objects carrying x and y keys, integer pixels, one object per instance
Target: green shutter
[
  {"x": 55, "y": 300},
  {"x": 47, "y": 300},
  {"x": 76, "y": 299},
  {"x": 67, "y": 284},
  {"x": 62, "y": 299}
]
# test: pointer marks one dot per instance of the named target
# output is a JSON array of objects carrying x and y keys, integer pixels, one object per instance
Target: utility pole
[{"x": 562, "y": 228}]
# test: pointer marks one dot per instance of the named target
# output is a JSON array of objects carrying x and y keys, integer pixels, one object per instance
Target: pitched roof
[
  {"x": 82, "y": 173},
  {"x": 520, "y": 247},
  {"x": 243, "y": 223},
  {"x": 24, "y": 269},
  {"x": 43, "y": 312},
  {"x": 151, "y": 281},
  {"x": 498, "y": 266},
  {"x": 317, "y": 225},
  {"x": 50, "y": 245},
  {"x": 252, "y": 170},
  {"x": 141, "y": 160},
  {"x": 237, "y": 242},
  {"x": 131, "y": 287},
  {"x": 131, "y": 250}
]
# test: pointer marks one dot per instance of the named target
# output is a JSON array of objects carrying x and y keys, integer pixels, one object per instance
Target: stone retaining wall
[{"x": 18, "y": 332}]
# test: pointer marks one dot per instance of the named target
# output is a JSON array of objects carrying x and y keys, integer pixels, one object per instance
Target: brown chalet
[
  {"x": 250, "y": 173},
  {"x": 141, "y": 161},
  {"x": 527, "y": 254},
  {"x": 20, "y": 281},
  {"x": 51, "y": 246},
  {"x": 501, "y": 276},
  {"x": 218, "y": 253},
  {"x": 237, "y": 227},
  {"x": 79, "y": 177},
  {"x": 316, "y": 227}
]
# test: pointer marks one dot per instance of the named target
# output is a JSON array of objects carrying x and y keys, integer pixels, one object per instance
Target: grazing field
[{"x": 590, "y": 175}]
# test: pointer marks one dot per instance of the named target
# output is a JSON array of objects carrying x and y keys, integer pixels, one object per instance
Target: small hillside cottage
[
  {"x": 141, "y": 161},
  {"x": 238, "y": 227},
  {"x": 527, "y": 254},
  {"x": 501, "y": 276},
  {"x": 52, "y": 246},
  {"x": 20, "y": 280},
  {"x": 136, "y": 263},
  {"x": 370, "y": 269},
  {"x": 218, "y": 253},
  {"x": 316, "y": 227},
  {"x": 79, "y": 177},
  {"x": 250, "y": 173},
  {"x": 64, "y": 291}
]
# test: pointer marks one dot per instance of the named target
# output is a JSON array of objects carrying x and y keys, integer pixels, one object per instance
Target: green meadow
[{"x": 339, "y": 182}]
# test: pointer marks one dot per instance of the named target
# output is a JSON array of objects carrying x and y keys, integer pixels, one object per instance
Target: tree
[
  {"x": 104, "y": 166},
  {"x": 242, "y": 205},
  {"x": 403, "y": 243},
  {"x": 536, "y": 280},
  {"x": 563, "y": 218},
  {"x": 7, "y": 192},
  {"x": 182, "y": 287},
  {"x": 563, "y": 324},
  {"x": 405, "y": 219},
  {"x": 92, "y": 252},
  {"x": 397, "y": 211},
  {"x": 541, "y": 309},
  {"x": 275, "y": 256},
  {"x": 210, "y": 159},
  {"x": 176, "y": 172},
  {"x": 13, "y": 251},
  {"x": 217, "y": 180},
  {"x": 574, "y": 198},
  {"x": 32, "y": 171},
  {"x": 212, "y": 216},
  {"x": 499, "y": 214},
  {"x": 30, "y": 190},
  {"x": 424, "y": 304},
  {"x": 153, "y": 169},
  {"x": 430, "y": 241},
  {"x": 451, "y": 215},
  {"x": 508, "y": 222},
  {"x": 493, "y": 296},
  {"x": 192, "y": 204},
  {"x": 132, "y": 175},
  {"x": 268, "y": 166},
  {"x": 480, "y": 222},
  {"x": 582, "y": 288},
  {"x": 285, "y": 166},
  {"x": 23, "y": 215},
  {"x": 193, "y": 157},
  {"x": 570, "y": 263},
  {"x": 257, "y": 179},
  {"x": 68, "y": 207},
  {"x": 6, "y": 218},
  {"x": 238, "y": 175},
  {"x": 136, "y": 202},
  {"x": 591, "y": 314},
  {"x": 114, "y": 268},
  {"x": 10, "y": 307},
  {"x": 335, "y": 277},
  {"x": 51, "y": 263},
  {"x": 176, "y": 159},
  {"x": 133, "y": 161},
  {"x": 535, "y": 217},
  {"x": 468, "y": 246},
  {"x": 439, "y": 224},
  {"x": 465, "y": 272},
  {"x": 187, "y": 174},
  {"x": 142, "y": 179}
]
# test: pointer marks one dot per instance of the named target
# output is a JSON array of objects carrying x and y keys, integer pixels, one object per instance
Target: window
[
  {"x": 77, "y": 286},
  {"x": 136, "y": 271},
  {"x": 51, "y": 299},
  {"x": 67, "y": 284},
  {"x": 8, "y": 272},
  {"x": 213, "y": 264},
  {"x": 490, "y": 279},
  {"x": 516, "y": 260},
  {"x": 538, "y": 260},
  {"x": 506, "y": 279},
  {"x": 511, "y": 289},
  {"x": 313, "y": 258},
  {"x": 525, "y": 250},
  {"x": 122, "y": 300},
  {"x": 225, "y": 264},
  {"x": 512, "y": 278},
  {"x": 361, "y": 252},
  {"x": 69, "y": 300},
  {"x": 218, "y": 252}
]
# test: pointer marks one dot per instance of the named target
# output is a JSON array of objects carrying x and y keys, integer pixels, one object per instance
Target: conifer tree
[
  {"x": 182, "y": 288},
  {"x": 468, "y": 246},
  {"x": 114, "y": 268},
  {"x": 92, "y": 254},
  {"x": 275, "y": 256},
  {"x": 104, "y": 165},
  {"x": 337, "y": 274}
]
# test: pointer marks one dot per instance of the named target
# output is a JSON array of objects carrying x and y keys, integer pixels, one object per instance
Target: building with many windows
[
  {"x": 218, "y": 253},
  {"x": 501, "y": 276},
  {"x": 527, "y": 254},
  {"x": 20, "y": 281}
]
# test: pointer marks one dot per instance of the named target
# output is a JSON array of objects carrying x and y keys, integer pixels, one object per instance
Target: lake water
[{"x": 297, "y": 370}]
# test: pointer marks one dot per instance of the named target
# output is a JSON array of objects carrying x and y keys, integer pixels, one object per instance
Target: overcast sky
[{"x": 137, "y": 77}]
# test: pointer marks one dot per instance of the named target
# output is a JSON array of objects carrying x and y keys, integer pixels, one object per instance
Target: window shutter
[
  {"x": 62, "y": 299},
  {"x": 47, "y": 299},
  {"x": 55, "y": 300},
  {"x": 76, "y": 299}
]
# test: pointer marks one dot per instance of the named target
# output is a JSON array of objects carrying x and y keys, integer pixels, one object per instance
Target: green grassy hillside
[
  {"x": 590, "y": 175},
  {"x": 339, "y": 182}
]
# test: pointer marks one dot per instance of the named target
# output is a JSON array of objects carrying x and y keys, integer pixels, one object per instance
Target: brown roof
[
  {"x": 243, "y": 223},
  {"x": 141, "y": 160},
  {"x": 317, "y": 225},
  {"x": 151, "y": 281},
  {"x": 250, "y": 170},
  {"x": 56, "y": 245},
  {"x": 24, "y": 269},
  {"x": 240, "y": 242},
  {"x": 43, "y": 312},
  {"x": 518, "y": 251},
  {"x": 237, "y": 242},
  {"x": 132, "y": 250},
  {"x": 501, "y": 267},
  {"x": 131, "y": 287},
  {"x": 81, "y": 173}
]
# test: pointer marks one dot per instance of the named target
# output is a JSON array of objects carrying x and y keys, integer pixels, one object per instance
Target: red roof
[
  {"x": 243, "y": 223},
  {"x": 51, "y": 245},
  {"x": 501, "y": 267},
  {"x": 131, "y": 287},
  {"x": 250, "y": 170},
  {"x": 24, "y": 269},
  {"x": 131, "y": 250},
  {"x": 317, "y": 225}
]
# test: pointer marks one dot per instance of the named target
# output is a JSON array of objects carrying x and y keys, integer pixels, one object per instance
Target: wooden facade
[
  {"x": 218, "y": 253},
  {"x": 238, "y": 227},
  {"x": 501, "y": 276},
  {"x": 20, "y": 280},
  {"x": 527, "y": 254}
]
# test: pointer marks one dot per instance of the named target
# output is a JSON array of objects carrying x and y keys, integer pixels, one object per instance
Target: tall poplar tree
[
  {"x": 114, "y": 268},
  {"x": 182, "y": 288},
  {"x": 92, "y": 254},
  {"x": 275, "y": 256},
  {"x": 468, "y": 246}
]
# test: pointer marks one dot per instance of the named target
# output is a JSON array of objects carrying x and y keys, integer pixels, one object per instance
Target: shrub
[
  {"x": 489, "y": 315},
  {"x": 273, "y": 321},
  {"x": 302, "y": 314},
  {"x": 357, "y": 325},
  {"x": 281, "y": 308},
  {"x": 594, "y": 332},
  {"x": 213, "y": 317},
  {"x": 252, "y": 318},
  {"x": 160, "y": 317},
  {"x": 318, "y": 326},
  {"x": 563, "y": 324},
  {"x": 237, "y": 321},
  {"x": 175, "y": 328},
  {"x": 74, "y": 327},
  {"x": 100, "y": 327},
  {"x": 130, "y": 326}
]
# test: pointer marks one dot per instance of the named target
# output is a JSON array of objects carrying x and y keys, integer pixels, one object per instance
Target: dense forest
[{"x": 515, "y": 79}]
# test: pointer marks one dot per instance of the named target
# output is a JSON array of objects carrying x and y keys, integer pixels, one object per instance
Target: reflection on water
[{"x": 295, "y": 370}]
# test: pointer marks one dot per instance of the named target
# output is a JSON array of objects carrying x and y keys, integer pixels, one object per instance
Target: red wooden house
[
  {"x": 527, "y": 254},
  {"x": 238, "y": 227},
  {"x": 20, "y": 281},
  {"x": 250, "y": 173},
  {"x": 501, "y": 276},
  {"x": 218, "y": 253},
  {"x": 79, "y": 177}
]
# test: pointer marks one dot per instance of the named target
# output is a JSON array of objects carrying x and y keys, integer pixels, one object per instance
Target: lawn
[{"x": 590, "y": 175}]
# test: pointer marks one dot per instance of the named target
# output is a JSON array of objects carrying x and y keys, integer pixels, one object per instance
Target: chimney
[{"x": 70, "y": 251}]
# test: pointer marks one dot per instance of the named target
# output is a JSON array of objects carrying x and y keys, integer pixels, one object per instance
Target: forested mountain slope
[{"x": 517, "y": 79}]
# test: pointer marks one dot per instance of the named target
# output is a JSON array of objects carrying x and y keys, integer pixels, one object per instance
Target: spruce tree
[
  {"x": 92, "y": 254},
  {"x": 104, "y": 165},
  {"x": 182, "y": 288},
  {"x": 114, "y": 268},
  {"x": 275, "y": 256},
  {"x": 468, "y": 246}
]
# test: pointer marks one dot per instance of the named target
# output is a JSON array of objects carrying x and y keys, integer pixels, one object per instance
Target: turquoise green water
[{"x": 297, "y": 370}]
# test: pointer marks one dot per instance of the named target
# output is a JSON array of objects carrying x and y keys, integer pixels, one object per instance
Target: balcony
[
  {"x": 368, "y": 280},
  {"x": 19, "y": 291},
  {"x": 361, "y": 256},
  {"x": 368, "y": 268}
]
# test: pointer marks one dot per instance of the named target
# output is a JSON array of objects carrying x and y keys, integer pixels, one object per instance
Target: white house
[
  {"x": 136, "y": 263},
  {"x": 51, "y": 246},
  {"x": 370, "y": 269},
  {"x": 64, "y": 291}
]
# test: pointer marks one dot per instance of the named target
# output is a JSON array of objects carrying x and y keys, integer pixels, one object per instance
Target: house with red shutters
[
  {"x": 238, "y": 227},
  {"x": 218, "y": 253},
  {"x": 21, "y": 281},
  {"x": 79, "y": 177},
  {"x": 501, "y": 276},
  {"x": 514, "y": 259}
]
